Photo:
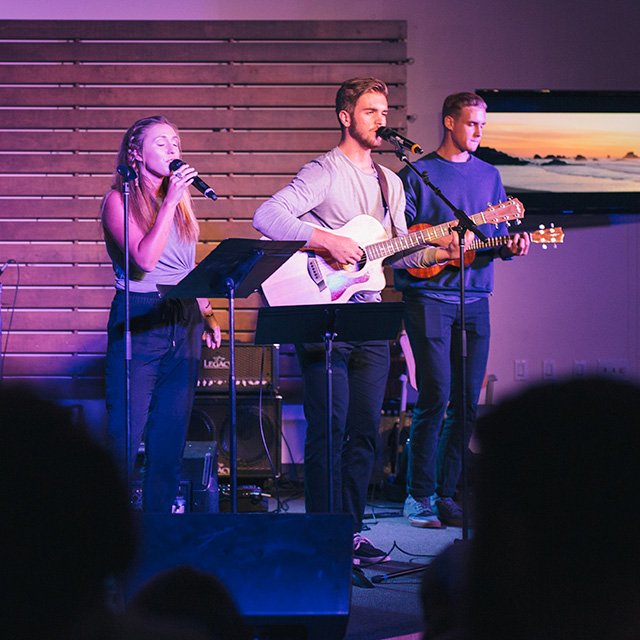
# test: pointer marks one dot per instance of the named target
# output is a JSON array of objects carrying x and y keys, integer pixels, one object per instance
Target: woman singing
[{"x": 166, "y": 334}]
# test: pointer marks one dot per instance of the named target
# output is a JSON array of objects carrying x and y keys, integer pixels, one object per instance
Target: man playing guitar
[{"x": 432, "y": 312}]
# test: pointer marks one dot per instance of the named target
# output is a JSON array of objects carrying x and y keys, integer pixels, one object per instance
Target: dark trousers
[
  {"x": 360, "y": 371},
  {"x": 435, "y": 453},
  {"x": 166, "y": 340}
]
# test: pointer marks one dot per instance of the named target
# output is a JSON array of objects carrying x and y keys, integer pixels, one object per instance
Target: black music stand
[
  {"x": 324, "y": 323},
  {"x": 234, "y": 269}
]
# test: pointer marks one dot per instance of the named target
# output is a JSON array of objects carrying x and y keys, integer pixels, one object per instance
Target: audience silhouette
[
  {"x": 195, "y": 598},
  {"x": 69, "y": 538},
  {"x": 68, "y": 527},
  {"x": 554, "y": 551}
]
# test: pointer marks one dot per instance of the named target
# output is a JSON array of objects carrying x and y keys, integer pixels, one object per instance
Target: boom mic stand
[{"x": 464, "y": 224}]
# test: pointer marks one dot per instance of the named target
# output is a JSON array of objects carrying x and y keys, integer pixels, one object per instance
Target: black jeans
[
  {"x": 360, "y": 371},
  {"x": 433, "y": 328},
  {"x": 166, "y": 338}
]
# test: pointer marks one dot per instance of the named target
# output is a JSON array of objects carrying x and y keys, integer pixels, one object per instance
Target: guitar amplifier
[
  {"x": 258, "y": 432},
  {"x": 256, "y": 368}
]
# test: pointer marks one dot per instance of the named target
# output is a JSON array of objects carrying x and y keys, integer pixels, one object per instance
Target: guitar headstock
[
  {"x": 552, "y": 235},
  {"x": 511, "y": 209}
]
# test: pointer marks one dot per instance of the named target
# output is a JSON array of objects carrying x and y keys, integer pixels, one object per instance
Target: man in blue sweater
[{"x": 433, "y": 312}]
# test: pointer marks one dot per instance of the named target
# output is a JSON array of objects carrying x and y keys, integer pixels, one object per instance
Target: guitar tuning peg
[
  {"x": 518, "y": 222},
  {"x": 541, "y": 227},
  {"x": 544, "y": 246},
  {"x": 507, "y": 223},
  {"x": 552, "y": 225}
]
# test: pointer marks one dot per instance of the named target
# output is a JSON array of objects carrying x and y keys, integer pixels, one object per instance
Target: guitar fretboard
[
  {"x": 495, "y": 241},
  {"x": 415, "y": 239}
]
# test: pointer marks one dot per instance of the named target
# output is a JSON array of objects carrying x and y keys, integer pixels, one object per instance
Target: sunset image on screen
[{"x": 564, "y": 151}]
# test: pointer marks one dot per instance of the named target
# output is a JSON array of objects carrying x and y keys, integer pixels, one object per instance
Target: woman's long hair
[{"x": 144, "y": 202}]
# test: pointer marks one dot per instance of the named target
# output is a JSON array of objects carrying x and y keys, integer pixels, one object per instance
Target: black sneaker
[
  {"x": 365, "y": 553},
  {"x": 449, "y": 512}
]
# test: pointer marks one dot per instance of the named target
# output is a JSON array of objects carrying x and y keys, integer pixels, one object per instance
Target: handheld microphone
[
  {"x": 127, "y": 173},
  {"x": 198, "y": 182},
  {"x": 393, "y": 136}
]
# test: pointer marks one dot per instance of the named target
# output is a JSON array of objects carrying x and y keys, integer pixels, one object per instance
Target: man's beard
[{"x": 367, "y": 140}]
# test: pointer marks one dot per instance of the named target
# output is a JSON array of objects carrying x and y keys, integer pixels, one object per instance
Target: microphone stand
[
  {"x": 128, "y": 174},
  {"x": 329, "y": 336},
  {"x": 2, "y": 351},
  {"x": 233, "y": 439},
  {"x": 464, "y": 223}
]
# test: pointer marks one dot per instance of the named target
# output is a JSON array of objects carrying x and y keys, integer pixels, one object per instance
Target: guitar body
[
  {"x": 552, "y": 236},
  {"x": 293, "y": 284}
]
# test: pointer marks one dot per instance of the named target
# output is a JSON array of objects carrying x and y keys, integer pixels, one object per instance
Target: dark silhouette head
[
  {"x": 556, "y": 550},
  {"x": 67, "y": 525},
  {"x": 195, "y": 598}
]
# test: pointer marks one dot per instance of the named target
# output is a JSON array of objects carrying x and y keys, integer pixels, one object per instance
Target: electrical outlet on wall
[
  {"x": 548, "y": 369},
  {"x": 520, "y": 370},
  {"x": 579, "y": 368},
  {"x": 617, "y": 368}
]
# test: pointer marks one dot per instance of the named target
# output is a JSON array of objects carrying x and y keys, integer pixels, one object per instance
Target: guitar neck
[
  {"x": 495, "y": 241},
  {"x": 415, "y": 239}
]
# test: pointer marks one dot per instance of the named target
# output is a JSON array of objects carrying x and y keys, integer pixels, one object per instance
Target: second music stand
[
  {"x": 234, "y": 269},
  {"x": 326, "y": 323}
]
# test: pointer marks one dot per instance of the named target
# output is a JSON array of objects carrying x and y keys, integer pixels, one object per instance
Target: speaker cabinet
[
  {"x": 258, "y": 432},
  {"x": 289, "y": 574},
  {"x": 256, "y": 368}
]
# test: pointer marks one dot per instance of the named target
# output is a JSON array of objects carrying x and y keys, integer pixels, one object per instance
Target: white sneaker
[{"x": 422, "y": 512}]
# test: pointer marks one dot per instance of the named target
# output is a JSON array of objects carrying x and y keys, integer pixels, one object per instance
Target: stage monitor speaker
[
  {"x": 256, "y": 417},
  {"x": 289, "y": 574}
]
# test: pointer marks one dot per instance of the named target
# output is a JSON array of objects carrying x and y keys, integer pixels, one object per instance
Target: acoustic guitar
[
  {"x": 313, "y": 277},
  {"x": 551, "y": 236}
]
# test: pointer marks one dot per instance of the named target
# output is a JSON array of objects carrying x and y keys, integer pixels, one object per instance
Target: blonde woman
[{"x": 166, "y": 334}]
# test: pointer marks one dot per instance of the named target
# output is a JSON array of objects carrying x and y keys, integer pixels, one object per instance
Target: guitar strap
[{"x": 384, "y": 190}]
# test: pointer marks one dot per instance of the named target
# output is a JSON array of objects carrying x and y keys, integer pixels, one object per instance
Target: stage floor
[{"x": 391, "y": 609}]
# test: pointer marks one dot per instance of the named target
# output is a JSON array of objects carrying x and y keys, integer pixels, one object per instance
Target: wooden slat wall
[{"x": 253, "y": 100}]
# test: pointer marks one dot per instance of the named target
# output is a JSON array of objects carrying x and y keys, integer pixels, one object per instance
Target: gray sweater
[{"x": 329, "y": 192}]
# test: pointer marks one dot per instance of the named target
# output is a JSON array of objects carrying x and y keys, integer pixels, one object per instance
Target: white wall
[{"x": 579, "y": 302}]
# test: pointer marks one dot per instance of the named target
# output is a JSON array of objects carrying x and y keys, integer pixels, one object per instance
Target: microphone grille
[
  {"x": 127, "y": 172},
  {"x": 175, "y": 164}
]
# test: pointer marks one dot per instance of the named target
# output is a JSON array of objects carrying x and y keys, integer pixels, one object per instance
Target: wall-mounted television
[{"x": 566, "y": 151}]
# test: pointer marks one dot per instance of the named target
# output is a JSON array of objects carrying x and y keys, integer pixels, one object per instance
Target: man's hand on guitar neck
[
  {"x": 448, "y": 248},
  {"x": 518, "y": 244},
  {"x": 342, "y": 249}
]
